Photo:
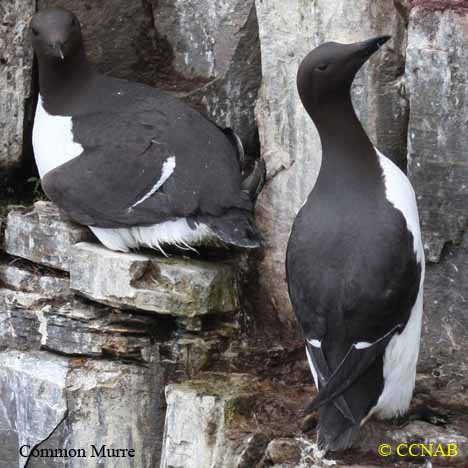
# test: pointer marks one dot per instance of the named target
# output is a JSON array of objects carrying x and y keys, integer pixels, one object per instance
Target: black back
[{"x": 128, "y": 130}]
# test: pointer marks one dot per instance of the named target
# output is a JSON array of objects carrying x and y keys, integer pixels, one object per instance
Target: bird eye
[
  {"x": 322, "y": 67},
  {"x": 35, "y": 31}
]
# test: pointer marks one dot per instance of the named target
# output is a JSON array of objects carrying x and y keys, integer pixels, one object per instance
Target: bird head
[
  {"x": 329, "y": 70},
  {"x": 55, "y": 33}
]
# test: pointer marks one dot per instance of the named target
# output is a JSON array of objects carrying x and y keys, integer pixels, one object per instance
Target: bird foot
[{"x": 422, "y": 413}]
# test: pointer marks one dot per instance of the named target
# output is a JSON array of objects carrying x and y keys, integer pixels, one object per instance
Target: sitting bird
[
  {"x": 355, "y": 259},
  {"x": 135, "y": 164}
]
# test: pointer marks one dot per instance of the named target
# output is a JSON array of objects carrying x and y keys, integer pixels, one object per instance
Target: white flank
[
  {"x": 167, "y": 170},
  {"x": 400, "y": 194},
  {"x": 53, "y": 140},
  {"x": 401, "y": 355},
  {"x": 399, "y": 369},
  {"x": 177, "y": 233}
]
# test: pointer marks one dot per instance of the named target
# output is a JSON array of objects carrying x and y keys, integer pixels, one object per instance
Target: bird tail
[
  {"x": 253, "y": 182},
  {"x": 235, "y": 228},
  {"x": 335, "y": 432},
  {"x": 253, "y": 170}
]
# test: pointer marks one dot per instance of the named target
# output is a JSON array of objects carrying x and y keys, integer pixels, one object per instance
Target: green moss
[{"x": 238, "y": 407}]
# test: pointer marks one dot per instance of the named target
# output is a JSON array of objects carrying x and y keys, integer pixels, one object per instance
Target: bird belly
[
  {"x": 53, "y": 141},
  {"x": 177, "y": 233}
]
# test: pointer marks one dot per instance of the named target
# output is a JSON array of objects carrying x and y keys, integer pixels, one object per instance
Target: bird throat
[
  {"x": 62, "y": 81},
  {"x": 347, "y": 152}
]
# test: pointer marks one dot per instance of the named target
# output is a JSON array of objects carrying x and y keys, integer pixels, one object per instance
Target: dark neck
[
  {"x": 58, "y": 80},
  {"x": 347, "y": 151}
]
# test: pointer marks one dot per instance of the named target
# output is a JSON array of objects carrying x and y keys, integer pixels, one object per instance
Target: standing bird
[
  {"x": 135, "y": 164},
  {"x": 355, "y": 259}
]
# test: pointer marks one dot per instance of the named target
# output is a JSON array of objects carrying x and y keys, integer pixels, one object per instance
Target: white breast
[{"x": 53, "y": 140}]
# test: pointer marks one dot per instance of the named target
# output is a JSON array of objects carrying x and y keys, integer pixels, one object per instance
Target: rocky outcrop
[
  {"x": 445, "y": 323},
  {"x": 437, "y": 60},
  {"x": 436, "y": 72},
  {"x": 215, "y": 48},
  {"x": 95, "y": 344},
  {"x": 82, "y": 328},
  {"x": 33, "y": 401},
  {"x": 289, "y": 141},
  {"x": 239, "y": 421},
  {"x": 181, "y": 288},
  {"x": 42, "y": 235},
  {"x": 226, "y": 421},
  {"x": 196, "y": 419},
  {"x": 15, "y": 80},
  {"x": 50, "y": 402}
]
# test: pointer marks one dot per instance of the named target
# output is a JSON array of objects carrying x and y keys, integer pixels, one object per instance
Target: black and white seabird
[
  {"x": 355, "y": 259},
  {"x": 135, "y": 164}
]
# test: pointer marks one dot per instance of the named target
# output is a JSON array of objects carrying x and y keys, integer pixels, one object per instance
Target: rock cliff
[{"x": 196, "y": 363}]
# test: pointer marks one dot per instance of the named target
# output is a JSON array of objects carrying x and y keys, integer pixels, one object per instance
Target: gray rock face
[
  {"x": 170, "y": 287},
  {"x": 39, "y": 311},
  {"x": 66, "y": 325},
  {"x": 215, "y": 47},
  {"x": 437, "y": 60},
  {"x": 289, "y": 141},
  {"x": 85, "y": 356},
  {"x": 34, "y": 279},
  {"x": 193, "y": 424},
  {"x": 42, "y": 235},
  {"x": 445, "y": 325},
  {"x": 119, "y": 406},
  {"x": 49, "y": 402},
  {"x": 198, "y": 417},
  {"x": 15, "y": 79},
  {"x": 77, "y": 328},
  {"x": 226, "y": 420},
  {"x": 19, "y": 320},
  {"x": 177, "y": 287},
  {"x": 32, "y": 401},
  {"x": 110, "y": 391}
]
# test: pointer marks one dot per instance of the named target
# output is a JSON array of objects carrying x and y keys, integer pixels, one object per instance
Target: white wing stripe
[{"x": 167, "y": 170}]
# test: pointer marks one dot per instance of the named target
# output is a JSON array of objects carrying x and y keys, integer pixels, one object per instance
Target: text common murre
[{"x": 93, "y": 451}]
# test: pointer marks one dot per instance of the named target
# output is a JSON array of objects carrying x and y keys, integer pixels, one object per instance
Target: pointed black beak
[
  {"x": 367, "y": 48},
  {"x": 58, "y": 48}
]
